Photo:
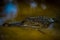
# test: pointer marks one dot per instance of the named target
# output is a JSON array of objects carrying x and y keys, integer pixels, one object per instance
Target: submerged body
[{"x": 44, "y": 21}]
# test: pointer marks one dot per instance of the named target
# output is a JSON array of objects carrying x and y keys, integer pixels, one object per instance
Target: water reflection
[
  {"x": 10, "y": 11},
  {"x": 43, "y": 6},
  {"x": 51, "y": 26},
  {"x": 33, "y": 4}
]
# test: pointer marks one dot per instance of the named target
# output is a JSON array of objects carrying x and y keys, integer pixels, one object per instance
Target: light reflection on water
[{"x": 51, "y": 26}]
